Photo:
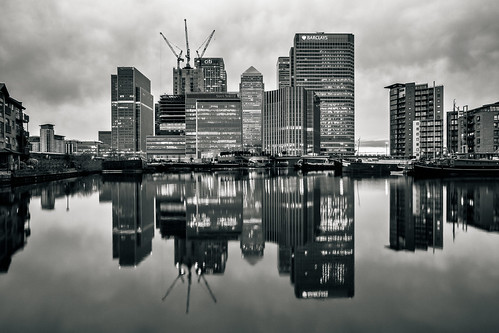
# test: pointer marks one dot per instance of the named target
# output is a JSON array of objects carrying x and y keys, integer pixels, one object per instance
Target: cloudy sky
[{"x": 57, "y": 56}]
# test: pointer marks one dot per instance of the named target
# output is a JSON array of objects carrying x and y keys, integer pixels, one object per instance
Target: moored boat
[{"x": 452, "y": 167}]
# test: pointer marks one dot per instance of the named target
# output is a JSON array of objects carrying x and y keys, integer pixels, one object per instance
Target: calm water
[{"x": 250, "y": 252}]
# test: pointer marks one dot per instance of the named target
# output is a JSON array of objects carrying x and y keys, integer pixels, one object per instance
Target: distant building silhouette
[{"x": 131, "y": 110}]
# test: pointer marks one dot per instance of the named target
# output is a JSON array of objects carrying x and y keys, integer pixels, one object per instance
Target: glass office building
[
  {"x": 131, "y": 110},
  {"x": 214, "y": 74},
  {"x": 213, "y": 124},
  {"x": 291, "y": 122},
  {"x": 324, "y": 63},
  {"x": 283, "y": 72},
  {"x": 251, "y": 91}
]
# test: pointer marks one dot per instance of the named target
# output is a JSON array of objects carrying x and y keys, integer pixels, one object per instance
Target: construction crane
[
  {"x": 205, "y": 43},
  {"x": 188, "y": 52},
  {"x": 178, "y": 56}
]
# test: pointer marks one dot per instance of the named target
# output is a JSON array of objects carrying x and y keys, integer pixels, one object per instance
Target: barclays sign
[{"x": 314, "y": 37}]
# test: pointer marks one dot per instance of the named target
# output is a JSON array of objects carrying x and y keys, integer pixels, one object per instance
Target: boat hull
[{"x": 466, "y": 168}]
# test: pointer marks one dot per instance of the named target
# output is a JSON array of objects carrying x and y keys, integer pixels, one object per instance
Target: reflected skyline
[
  {"x": 240, "y": 247},
  {"x": 309, "y": 218}
]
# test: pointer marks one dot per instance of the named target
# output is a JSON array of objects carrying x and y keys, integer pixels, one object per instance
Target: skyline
[{"x": 57, "y": 57}]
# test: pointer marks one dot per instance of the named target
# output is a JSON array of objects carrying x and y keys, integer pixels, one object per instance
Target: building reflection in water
[
  {"x": 418, "y": 209},
  {"x": 474, "y": 203},
  {"x": 14, "y": 224},
  {"x": 133, "y": 220},
  {"x": 252, "y": 240},
  {"x": 416, "y": 214},
  {"x": 310, "y": 219}
]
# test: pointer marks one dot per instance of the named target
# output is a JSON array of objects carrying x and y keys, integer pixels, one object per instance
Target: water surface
[{"x": 250, "y": 251}]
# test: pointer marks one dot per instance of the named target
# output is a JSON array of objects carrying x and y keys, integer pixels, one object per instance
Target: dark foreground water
[{"x": 250, "y": 252}]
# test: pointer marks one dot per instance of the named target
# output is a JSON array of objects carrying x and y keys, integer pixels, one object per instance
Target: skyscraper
[
  {"x": 416, "y": 120},
  {"x": 251, "y": 91},
  {"x": 214, "y": 74},
  {"x": 290, "y": 120},
  {"x": 324, "y": 63},
  {"x": 131, "y": 110},
  {"x": 283, "y": 72}
]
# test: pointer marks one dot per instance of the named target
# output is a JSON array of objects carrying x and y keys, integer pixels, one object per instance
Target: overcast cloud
[{"x": 57, "y": 56}]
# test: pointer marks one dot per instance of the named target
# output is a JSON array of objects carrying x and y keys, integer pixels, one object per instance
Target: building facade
[
  {"x": 13, "y": 136},
  {"x": 47, "y": 139},
  {"x": 214, "y": 74},
  {"x": 251, "y": 91},
  {"x": 283, "y": 72},
  {"x": 131, "y": 110},
  {"x": 187, "y": 80},
  {"x": 213, "y": 124},
  {"x": 416, "y": 120},
  {"x": 168, "y": 143},
  {"x": 290, "y": 120},
  {"x": 478, "y": 130},
  {"x": 452, "y": 132},
  {"x": 324, "y": 63}
]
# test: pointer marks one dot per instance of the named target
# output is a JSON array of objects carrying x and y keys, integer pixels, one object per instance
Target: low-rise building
[
  {"x": 13, "y": 136},
  {"x": 478, "y": 130}
]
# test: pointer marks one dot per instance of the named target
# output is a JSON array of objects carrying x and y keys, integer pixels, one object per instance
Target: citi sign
[{"x": 314, "y": 37}]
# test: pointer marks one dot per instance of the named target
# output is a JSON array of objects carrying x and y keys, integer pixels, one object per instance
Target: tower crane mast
[{"x": 188, "y": 51}]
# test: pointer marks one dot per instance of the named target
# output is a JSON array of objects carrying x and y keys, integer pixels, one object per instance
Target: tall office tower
[
  {"x": 324, "y": 63},
  {"x": 47, "y": 140},
  {"x": 290, "y": 121},
  {"x": 213, "y": 124},
  {"x": 214, "y": 74},
  {"x": 283, "y": 72},
  {"x": 131, "y": 110},
  {"x": 251, "y": 91},
  {"x": 416, "y": 120},
  {"x": 187, "y": 80}
]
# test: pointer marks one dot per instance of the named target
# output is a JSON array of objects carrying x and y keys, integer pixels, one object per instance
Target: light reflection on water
[{"x": 177, "y": 251}]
